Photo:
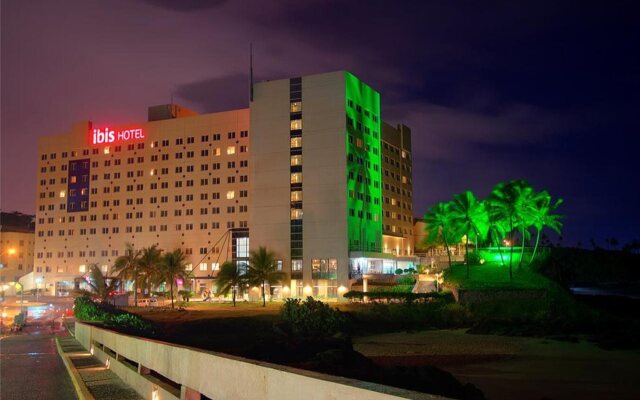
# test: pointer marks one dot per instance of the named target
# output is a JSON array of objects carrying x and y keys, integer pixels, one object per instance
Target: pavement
[{"x": 30, "y": 367}]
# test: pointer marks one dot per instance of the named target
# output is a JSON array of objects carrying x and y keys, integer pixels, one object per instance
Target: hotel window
[
  {"x": 296, "y": 160},
  {"x": 296, "y": 106},
  {"x": 216, "y": 136},
  {"x": 216, "y": 151},
  {"x": 296, "y": 142},
  {"x": 244, "y": 133},
  {"x": 296, "y": 213},
  {"x": 231, "y": 150},
  {"x": 82, "y": 269},
  {"x": 191, "y": 140},
  {"x": 296, "y": 195},
  {"x": 296, "y": 177},
  {"x": 244, "y": 193},
  {"x": 231, "y": 194},
  {"x": 296, "y": 124}
]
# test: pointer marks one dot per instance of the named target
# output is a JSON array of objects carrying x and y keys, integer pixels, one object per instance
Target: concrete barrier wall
[{"x": 219, "y": 376}]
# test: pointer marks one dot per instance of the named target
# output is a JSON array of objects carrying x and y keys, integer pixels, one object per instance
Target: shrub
[
  {"x": 312, "y": 318},
  {"x": 186, "y": 294},
  {"x": 474, "y": 258},
  {"x": 86, "y": 309},
  {"x": 399, "y": 271},
  {"x": 388, "y": 296},
  {"x": 406, "y": 280}
]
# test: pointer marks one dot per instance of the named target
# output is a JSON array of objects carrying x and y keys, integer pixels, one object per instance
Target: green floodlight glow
[
  {"x": 491, "y": 255},
  {"x": 364, "y": 166}
]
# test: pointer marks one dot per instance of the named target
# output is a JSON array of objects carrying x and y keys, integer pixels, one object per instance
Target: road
[{"x": 30, "y": 367}]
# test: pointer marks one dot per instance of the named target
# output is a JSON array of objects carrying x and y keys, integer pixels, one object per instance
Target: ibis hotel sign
[{"x": 107, "y": 135}]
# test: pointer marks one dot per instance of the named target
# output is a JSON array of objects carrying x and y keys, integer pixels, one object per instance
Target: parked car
[{"x": 149, "y": 302}]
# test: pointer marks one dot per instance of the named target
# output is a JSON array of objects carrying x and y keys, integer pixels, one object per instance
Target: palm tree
[
  {"x": 229, "y": 279},
  {"x": 263, "y": 270},
  {"x": 506, "y": 203},
  {"x": 127, "y": 267},
  {"x": 149, "y": 264},
  {"x": 172, "y": 267},
  {"x": 100, "y": 286},
  {"x": 542, "y": 217},
  {"x": 469, "y": 215},
  {"x": 438, "y": 225}
]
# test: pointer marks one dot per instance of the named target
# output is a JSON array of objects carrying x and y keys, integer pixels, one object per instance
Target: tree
[
  {"x": 229, "y": 279},
  {"x": 172, "y": 267},
  {"x": 469, "y": 215},
  {"x": 439, "y": 226},
  {"x": 263, "y": 270},
  {"x": 542, "y": 217},
  {"x": 100, "y": 286},
  {"x": 506, "y": 203},
  {"x": 127, "y": 267},
  {"x": 149, "y": 265}
]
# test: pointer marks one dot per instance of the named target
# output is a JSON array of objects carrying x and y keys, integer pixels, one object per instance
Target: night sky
[{"x": 545, "y": 91}]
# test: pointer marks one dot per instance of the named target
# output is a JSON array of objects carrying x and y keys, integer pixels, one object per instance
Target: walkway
[{"x": 101, "y": 382}]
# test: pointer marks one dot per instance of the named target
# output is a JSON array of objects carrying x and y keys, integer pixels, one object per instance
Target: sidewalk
[{"x": 91, "y": 378}]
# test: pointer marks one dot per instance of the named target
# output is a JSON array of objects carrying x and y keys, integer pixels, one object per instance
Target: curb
[{"x": 81, "y": 389}]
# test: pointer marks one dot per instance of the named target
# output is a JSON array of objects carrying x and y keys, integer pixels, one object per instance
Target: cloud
[
  {"x": 452, "y": 133},
  {"x": 216, "y": 94},
  {"x": 186, "y": 6}
]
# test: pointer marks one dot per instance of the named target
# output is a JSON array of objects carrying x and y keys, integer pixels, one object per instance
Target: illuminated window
[
  {"x": 83, "y": 269},
  {"x": 296, "y": 213},
  {"x": 188, "y": 267},
  {"x": 203, "y": 266},
  {"x": 215, "y": 266},
  {"x": 296, "y": 106},
  {"x": 74, "y": 179},
  {"x": 152, "y": 172},
  {"x": 231, "y": 194},
  {"x": 296, "y": 142},
  {"x": 296, "y": 196},
  {"x": 296, "y": 177},
  {"x": 106, "y": 150},
  {"x": 296, "y": 160},
  {"x": 296, "y": 124},
  {"x": 231, "y": 150},
  {"x": 62, "y": 193},
  {"x": 296, "y": 265},
  {"x": 216, "y": 151}
]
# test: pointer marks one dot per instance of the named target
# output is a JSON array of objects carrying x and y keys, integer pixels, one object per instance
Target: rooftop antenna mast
[{"x": 250, "y": 72}]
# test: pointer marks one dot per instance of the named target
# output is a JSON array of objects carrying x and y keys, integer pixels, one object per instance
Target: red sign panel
[{"x": 107, "y": 136}]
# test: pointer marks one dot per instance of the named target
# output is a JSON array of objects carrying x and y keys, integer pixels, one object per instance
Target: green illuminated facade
[
  {"x": 318, "y": 182},
  {"x": 364, "y": 177}
]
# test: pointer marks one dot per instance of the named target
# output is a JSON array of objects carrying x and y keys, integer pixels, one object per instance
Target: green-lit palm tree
[
  {"x": 100, "y": 286},
  {"x": 230, "y": 278},
  {"x": 507, "y": 204},
  {"x": 543, "y": 217},
  {"x": 127, "y": 267},
  {"x": 469, "y": 215},
  {"x": 173, "y": 267},
  {"x": 149, "y": 264},
  {"x": 439, "y": 226},
  {"x": 263, "y": 270},
  {"x": 497, "y": 229}
]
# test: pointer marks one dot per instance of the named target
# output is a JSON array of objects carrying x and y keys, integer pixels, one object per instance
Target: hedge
[
  {"x": 355, "y": 295},
  {"x": 85, "y": 309}
]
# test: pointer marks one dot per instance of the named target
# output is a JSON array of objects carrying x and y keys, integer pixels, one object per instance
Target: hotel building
[
  {"x": 309, "y": 170},
  {"x": 16, "y": 249}
]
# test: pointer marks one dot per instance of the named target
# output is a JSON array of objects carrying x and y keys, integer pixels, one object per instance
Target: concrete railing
[{"x": 164, "y": 371}]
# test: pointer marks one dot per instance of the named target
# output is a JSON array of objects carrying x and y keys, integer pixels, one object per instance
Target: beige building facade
[{"x": 302, "y": 171}]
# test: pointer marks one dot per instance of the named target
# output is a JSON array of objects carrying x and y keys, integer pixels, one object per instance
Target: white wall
[{"x": 221, "y": 377}]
